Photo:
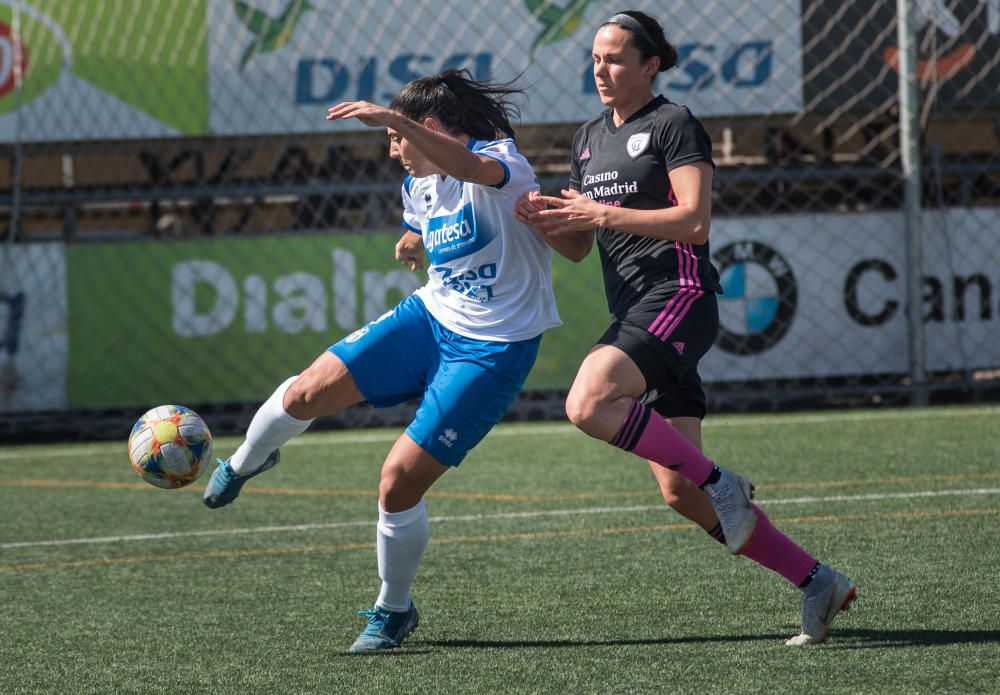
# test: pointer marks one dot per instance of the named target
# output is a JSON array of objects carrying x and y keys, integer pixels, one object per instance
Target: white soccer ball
[{"x": 170, "y": 446}]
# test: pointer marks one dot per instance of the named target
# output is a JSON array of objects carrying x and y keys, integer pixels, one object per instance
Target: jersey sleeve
[
  {"x": 683, "y": 140},
  {"x": 411, "y": 221},
  {"x": 518, "y": 177}
]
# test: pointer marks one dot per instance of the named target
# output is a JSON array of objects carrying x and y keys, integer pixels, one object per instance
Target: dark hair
[
  {"x": 647, "y": 37},
  {"x": 462, "y": 105}
]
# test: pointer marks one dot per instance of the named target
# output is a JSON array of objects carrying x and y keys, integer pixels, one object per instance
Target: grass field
[{"x": 552, "y": 568}]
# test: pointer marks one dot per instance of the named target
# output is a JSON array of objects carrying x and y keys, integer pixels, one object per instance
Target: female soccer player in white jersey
[
  {"x": 641, "y": 181},
  {"x": 463, "y": 343}
]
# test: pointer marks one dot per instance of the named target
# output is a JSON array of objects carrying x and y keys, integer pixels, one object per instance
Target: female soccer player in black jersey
[{"x": 641, "y": 181}]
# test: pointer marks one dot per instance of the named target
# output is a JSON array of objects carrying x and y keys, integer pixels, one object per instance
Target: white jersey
[{"x": 490, "y": 276}]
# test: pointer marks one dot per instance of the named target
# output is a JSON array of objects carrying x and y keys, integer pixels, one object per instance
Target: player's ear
[
  {"x": 651, "y": 67},
  {"x": 432, "y": 123}
]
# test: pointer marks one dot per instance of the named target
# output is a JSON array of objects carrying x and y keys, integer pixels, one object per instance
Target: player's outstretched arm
[{"x": 447, "y": 152}]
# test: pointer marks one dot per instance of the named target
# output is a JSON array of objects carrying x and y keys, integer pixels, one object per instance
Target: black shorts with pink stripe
[{"x": 666, "y": 340}]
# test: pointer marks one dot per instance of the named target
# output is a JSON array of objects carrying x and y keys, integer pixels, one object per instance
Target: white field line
[
  {"x": 521, "y": 430},
  {"x": 488, "y": 517}
]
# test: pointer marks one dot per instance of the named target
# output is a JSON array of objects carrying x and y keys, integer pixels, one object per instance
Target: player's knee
[
  {"x": 388, "y": 491},
  {"x": 578, "y": 408},
  {"x": 395, "y": 494},
  {"x": 585, "y": 409},
  {"x": 302, "y": 399}
]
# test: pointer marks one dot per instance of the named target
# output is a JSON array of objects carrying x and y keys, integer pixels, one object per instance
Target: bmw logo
[{"x": 759, "y": 297}]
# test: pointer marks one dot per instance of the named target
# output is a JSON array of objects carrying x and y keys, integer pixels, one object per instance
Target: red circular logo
[{"x": 8, "y": 58}]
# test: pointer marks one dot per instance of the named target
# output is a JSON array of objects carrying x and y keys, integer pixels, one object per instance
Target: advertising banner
[
  {"x": 33, "y": 338},
  {"x": 217, "y": 320},
  {"x": 102, "y": 70},
  {"x": 825, "y": 295},
  {"x": 292, "y": 59},
  {"x": 109, "y": 70},
  {"x": 226, "y": 320}
]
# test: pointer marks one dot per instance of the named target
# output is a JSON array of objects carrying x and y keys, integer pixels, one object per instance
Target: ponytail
[{"x": 481, "y": 110}]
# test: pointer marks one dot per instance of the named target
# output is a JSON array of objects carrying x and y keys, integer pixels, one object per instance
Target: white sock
[
  {"x": 402, "y": 537},
  {"x": 270, "y": 428}
]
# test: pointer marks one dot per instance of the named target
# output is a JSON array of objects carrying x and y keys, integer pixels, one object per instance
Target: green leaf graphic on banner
[
  {"x": 270, "y": 33},
  {"x": 559, "y": 22}
]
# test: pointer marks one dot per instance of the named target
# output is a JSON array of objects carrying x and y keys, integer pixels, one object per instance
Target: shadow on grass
[
  {"x": 876, "y": 639},
  {"x": 557, "y": 644},
  {"x": 839, "y": 638}
]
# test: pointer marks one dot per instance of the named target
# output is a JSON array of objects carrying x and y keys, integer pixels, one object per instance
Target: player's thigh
[
  {"x": 667, "y": 359},
  {"x": 680, "y": 400},
  {"x": 607, "y": 373},
  {"x": 466, "y": 398},
  {"x": 678, "y": 341},
  {"x": 391, "y": 358},
  {"x": 324, "y": 388}
]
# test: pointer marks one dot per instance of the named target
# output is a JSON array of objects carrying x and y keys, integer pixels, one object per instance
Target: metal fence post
[{"x": 909, "y": 143}]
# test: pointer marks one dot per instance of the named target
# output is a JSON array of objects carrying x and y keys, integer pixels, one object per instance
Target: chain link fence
[{"x": 181, "y": 224}]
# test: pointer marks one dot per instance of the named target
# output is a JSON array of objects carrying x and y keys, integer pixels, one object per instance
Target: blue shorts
[{"x": 466, "y": 385}]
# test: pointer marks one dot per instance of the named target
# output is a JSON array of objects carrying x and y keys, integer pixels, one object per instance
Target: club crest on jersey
[{"x": 637, "y": 144}]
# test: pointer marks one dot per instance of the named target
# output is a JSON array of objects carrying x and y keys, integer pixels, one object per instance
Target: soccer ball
[{"x": 170, "y": 446}]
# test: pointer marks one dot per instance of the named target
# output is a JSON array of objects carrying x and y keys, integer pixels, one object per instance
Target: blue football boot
[
  {"x": 225, "y": 484},
  {"x": 385, "y": 629}
]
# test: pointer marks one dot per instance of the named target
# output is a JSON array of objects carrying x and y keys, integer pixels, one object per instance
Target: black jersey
[{"x": 627, "y": 166}]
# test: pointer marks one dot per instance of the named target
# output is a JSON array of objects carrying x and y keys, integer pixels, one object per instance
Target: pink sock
[
  {"x": 771, "y": 548},
  {"x": 653, "y": 438}
]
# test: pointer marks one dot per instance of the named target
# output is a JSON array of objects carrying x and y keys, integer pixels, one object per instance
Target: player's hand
[
  {"x": 366, "y": 112},
  {"x": 410, "y": 250},
  {"x": 526, "y": 205},
  {"x": 573, "y": 212},
  {"x": 526, "y": 209}
]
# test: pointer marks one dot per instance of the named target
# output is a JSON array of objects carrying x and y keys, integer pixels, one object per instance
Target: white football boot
[
  {"x": 730, "y": 497},
  {"x": 829, "y": 593}
]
